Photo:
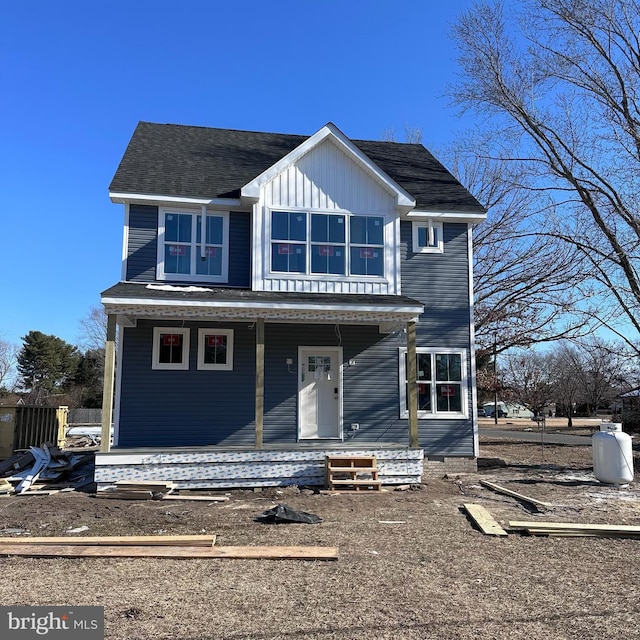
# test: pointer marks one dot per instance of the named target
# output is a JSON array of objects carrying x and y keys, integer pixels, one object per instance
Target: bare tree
[
  {"x": 529, "y": 377},
  {"x": 94, "y": 329},
  {"x": 567, "y": 388},
  {"x": 523, "y": 286},
  {"x": 560, "y": 79},
  {"x": 8, "y": 360}
]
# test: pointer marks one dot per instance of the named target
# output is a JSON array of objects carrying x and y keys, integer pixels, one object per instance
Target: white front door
[{"x": 319, "y": 392}]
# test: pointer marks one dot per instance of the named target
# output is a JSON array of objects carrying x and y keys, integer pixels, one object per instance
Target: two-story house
[{"x": 283, "y": 296}]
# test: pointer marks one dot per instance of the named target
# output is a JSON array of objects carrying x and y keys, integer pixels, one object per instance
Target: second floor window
[
  {"x": 327, "y": 244},
  {"x": 192, "y": 247}
]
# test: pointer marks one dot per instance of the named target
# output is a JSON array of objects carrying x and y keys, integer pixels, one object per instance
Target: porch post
[
  {"x": 259, "y": 382},
  {"x": 109, "y": 377},
  {"x": 412, "y": 374}
]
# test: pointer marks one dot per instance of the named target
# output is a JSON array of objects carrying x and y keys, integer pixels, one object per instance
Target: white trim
[
  {"x": 192, "y": 276},
  {"x": 160, "y": 199},
  {"x": 397, "y": 262},
  {"x": 448, "y": 216},
  {"x": 432, "y": 228},
  {"x": 331, "y": 132},
  {"x": 339, "y": 357},
  {"x": 228, "y": 365},
  {"x": 125, "y": 243},
  {"x": 155, "y": 357},
  {"x": 388, "y": 250},
  {"x": 472, "y": 346},
  {"x": 434, "y": 414},
  {"x": 260, "y": 306}
]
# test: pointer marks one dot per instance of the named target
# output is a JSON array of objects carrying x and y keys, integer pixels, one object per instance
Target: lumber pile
[
  {"x": 576, "y": 529},
  {"x": 139, "y": 490},
  {"x": 198, "y": 546},
  {"x": 152, "y": 490}
]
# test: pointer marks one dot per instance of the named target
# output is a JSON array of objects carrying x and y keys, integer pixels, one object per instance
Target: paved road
[{"x": 536, "y": 436}]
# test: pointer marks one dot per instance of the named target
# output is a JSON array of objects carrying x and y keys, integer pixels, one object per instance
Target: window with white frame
[
  {"x": 193, "y": 246},
  {"x": 215, "y": 349},
  {"x": 427, "y": 237},
  {"x": 170, "y": 348},
  {"x": 327, "y": 244},
  {"x": 441, "y": 382}
]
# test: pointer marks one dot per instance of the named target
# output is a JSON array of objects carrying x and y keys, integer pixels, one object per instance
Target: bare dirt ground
[{"x": 429, "y": 575}]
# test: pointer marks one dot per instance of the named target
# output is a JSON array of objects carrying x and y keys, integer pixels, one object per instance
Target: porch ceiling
[{"x": 202, "y": 303}]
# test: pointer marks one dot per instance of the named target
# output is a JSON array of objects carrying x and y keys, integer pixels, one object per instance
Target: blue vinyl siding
[
  {"x": 441, "y": 283},
  {"x": 240, "y": 250},
  {"x": 142, "y": 249},
  {"x": 370, "y": 388},
  {"x": 180, "y": 408}
]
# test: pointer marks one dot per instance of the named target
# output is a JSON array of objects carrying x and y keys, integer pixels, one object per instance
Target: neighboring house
[{"x": 275, "y": 291}]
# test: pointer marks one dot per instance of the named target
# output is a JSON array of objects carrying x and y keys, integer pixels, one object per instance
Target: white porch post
[
  {"x": 412, "y": 393},
  {"x": 259, "y": 383},
  {"x": 109, "y": 378}
]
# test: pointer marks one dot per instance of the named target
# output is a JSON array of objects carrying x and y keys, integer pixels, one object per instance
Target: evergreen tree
[{"x": 46, "y": 364}]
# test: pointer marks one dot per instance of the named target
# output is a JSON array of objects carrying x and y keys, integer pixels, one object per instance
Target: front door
[{"x": 319, "y": 392}]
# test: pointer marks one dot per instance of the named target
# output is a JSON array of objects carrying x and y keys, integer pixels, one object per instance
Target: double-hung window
[
  {"x": 441, "y": 382},
  {"x": 327, "y": 244},
  {"x": 193, "y": 246}
]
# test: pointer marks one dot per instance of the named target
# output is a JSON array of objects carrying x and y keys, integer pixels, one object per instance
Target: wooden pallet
[{"x": 352, "y": 472}]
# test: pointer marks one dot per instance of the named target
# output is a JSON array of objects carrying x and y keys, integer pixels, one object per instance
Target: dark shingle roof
[
  {"x": 178, "y": 160},
  {"x": 155, "y": 291}
]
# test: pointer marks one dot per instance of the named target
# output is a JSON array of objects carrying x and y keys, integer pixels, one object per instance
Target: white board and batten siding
[{"x": 325, "y": 180}]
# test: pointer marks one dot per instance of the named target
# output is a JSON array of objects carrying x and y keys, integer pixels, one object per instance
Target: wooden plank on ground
[
  {"x": 249, "y": 553},
  {"x": 175, "y": 496},
  {"x": 485, "y": 521},
  {"x": 125, "y": 494},
  {"x": 514, "y": 494},
  {"x": 575, "y": 526},
  {"x": 574, "y": 533},
  {"x": 185, "y": 540}
]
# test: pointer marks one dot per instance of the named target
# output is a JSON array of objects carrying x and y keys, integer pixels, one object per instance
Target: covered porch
[{"x": 258, "y": 461}]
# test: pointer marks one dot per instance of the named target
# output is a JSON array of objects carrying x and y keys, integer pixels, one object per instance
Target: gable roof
[{"x": 201, "y": 162}]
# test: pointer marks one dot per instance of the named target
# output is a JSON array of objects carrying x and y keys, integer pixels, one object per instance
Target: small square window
[
  {"x": 215, "y": 349},
  {"x": 170, "y": 348},
  {"x": 427, "y": 237}
]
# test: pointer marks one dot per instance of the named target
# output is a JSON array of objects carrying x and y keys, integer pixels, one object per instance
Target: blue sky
[{"x": 78, "y": 75}]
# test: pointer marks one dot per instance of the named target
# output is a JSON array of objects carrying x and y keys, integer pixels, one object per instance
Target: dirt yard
[{"x": 411, "y": 564}]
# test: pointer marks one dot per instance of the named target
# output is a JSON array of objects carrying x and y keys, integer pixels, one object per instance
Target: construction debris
[
  {"x": 283, "y": 513},
  {"x": 515, "y": 494},
  {"x": 138, "y": 490},
  {"x": 576, "y": 529},
  {"x": 38, "y": 468},
  {"x": 484, "y": 520}
]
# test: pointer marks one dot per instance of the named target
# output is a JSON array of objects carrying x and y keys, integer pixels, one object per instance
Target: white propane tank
[{"x": 612, "y": 454}]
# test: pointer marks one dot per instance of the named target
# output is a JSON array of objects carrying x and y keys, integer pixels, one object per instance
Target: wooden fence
[{"x": 23, "y": 427}]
